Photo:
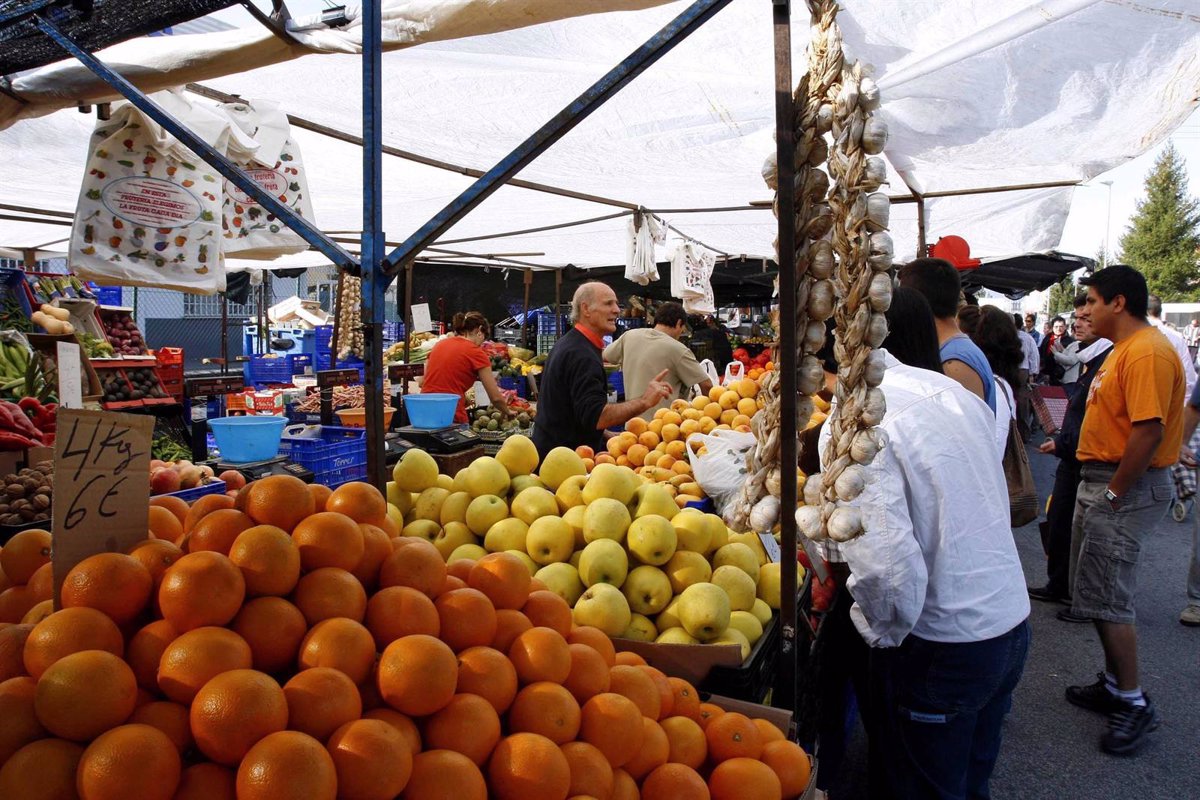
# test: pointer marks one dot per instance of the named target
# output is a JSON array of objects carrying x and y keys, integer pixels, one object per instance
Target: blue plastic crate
[
  {"x": 215, "y": 486},
  {"x": 304, "y": 338},
  {"x": 518, "y": 385},
  {"x": 110, "y": 295},
  {"x": 617, "y": 381},
  {"x": 324, "y": 360},
  {"x": 335, "y": 455},
  {"x": 264, "y": 370},
  {"x": 546, "y": 323},
  {"x": 393, "y": 332}
]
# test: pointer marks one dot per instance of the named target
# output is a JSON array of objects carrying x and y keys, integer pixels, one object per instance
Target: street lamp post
[{"x": 1107, "y": 219}]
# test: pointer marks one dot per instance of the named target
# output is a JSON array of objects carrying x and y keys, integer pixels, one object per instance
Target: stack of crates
[
  {"x": 170, "y": 370},
  {"x": 547, "y": 325},
  {"x": 627, "y": 324}
]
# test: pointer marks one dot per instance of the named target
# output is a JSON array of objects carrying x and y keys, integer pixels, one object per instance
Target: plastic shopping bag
[
  {"x": 734, "y": 371},
  {"x": 149, "y": 209},
  {"x": 721, "y": 469},
  {"x": 250, "y": 231},
  {"x": 710, "y": 369}
]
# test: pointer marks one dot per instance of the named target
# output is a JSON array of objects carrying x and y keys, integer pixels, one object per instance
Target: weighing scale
[
  {"x": 280, "y": 465},
  {"x": 451, "y": 439}
]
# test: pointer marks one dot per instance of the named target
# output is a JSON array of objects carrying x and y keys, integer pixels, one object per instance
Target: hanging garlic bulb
[
  {"x": 850, "y": 483},
  {"x": 875, "y": 174},
  {"x": 874, "y": 136},
  {"x": 814, "y": 336},
  {"x": 845, "y": 523},
  {"x": 810, "y": 376},
  {"x": 875, "y": 405},
  {"x": 770, "y": 172},
  {"x": 819, "y": 222},
  {"x": 765, "y": 514},
  {"x": 877, "y": 330},
  {"x": 820, "y": 257},
  {"x": 880, "y": 292},
  {"x": 808, "y": 522},
  {"x": 873, "y": 374},
  {"x": 820, "y": 301},
  {"x": 813, "y": 488},
  {"x": 868, "y": 95},
  {"x": 878, "y": 211}
]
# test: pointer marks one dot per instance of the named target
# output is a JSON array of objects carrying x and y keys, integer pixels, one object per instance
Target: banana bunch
[{"x": 14, "y": 368}]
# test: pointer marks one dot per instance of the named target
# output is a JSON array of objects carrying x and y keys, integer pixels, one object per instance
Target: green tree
[
  {"x": 1164, "y": 233},
  {"x": 1062, "y": 295}
]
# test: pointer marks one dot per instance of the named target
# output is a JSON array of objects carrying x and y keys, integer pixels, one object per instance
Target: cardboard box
[
  {"x": 47, "y": 343},
  {"x": 692, "y": 662}
]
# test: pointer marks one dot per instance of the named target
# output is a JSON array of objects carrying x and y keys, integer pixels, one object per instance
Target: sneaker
[
  {"x": 1128, "y": 728},
  {"x": 1048, "y": 595},
  {"x": 1190, "y": 616},
  {"x": 1095, "y": 697},
  {"x": 1066, "y": 615}
]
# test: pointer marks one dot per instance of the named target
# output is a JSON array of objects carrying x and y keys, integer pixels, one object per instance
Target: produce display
[
  {"x": 343, "y": 397},
  {"x": 123, "y": 333},
  {"x": 28, "y": 495},
  {"x": 93, "y": 347},
  {"x": 12, "y": 313},
  {"x": 419, "y": 345},
  {"x": 27, "y": 424},
  {"x": 493, "y": 421},
  {"x": 55, "y": 321},
  {"x": 46, "y": 288},
  {"x": 14, "y": 367},
  {"x": 287, "y": 651},
  {"x": 350, "y": 340},
  {"x": 167, "y": 477}
]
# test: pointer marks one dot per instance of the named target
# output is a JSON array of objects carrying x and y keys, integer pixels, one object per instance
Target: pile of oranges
[{"x": 289, "y": 643}]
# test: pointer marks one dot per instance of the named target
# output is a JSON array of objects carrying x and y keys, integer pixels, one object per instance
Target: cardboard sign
[
  {"x": 771, "y": 546},
  {"x": 421, "y": 321},
  {"x": 70, "y": 376},
  {"x": 101, "y": 486}
]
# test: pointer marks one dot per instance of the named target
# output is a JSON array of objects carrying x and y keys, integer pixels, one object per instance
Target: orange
[
  {"x": 509, "y": 625},
  {"x": 653, "y": 753},
  {"x": 41, "y": 582},
  {"x": 201, "y": 589},
  {"x": 613, "y": 723},
  {"x": 163, "y": 524},
  {"x": 460, "y": 569},
  {"x": 170, "y": 718},
  {"x": 768, "y": 732},
  {"x": 487, "y": 673},
  {"x": 85, "y": 694},
  {"x": 417, "y": 675},
  {"x": 235, "y": 710},
  {"x": 467, "y": 724},
  {"x": 114, "y": 583},
  {"x": 674, "y": 782},
  {"x": 145, "y": 652},
  {"x": 129, "y": 761},
  {"x": 156, "y": 555},
  {"x": 274, "y": 629},
  {"x": 403, "y": 725},
  {"x": 176, "y": 505},
  {"x": 268, "y": 558},
  {"x": 400, "y": 611},
  {"x": 278, "y": 500},
  {"x": 15, "y": 603},
  {"x": 362, "y": 502},
  {"x": 666, "y": 695},
  {"x": 194, "y": 658},
  {"x": 467, "y": 619},
  {"x": 70, "y": 631},
  {"x": 342, "y": 644},
  {"x": 591, "y": 774},
  {"x": 709, "y": 712},
  {"x": 685, "y": 699},
  {"x": 629, "y": 659},
  {"x": 596, "y": 639},
  {"x": 321, "y": 700},
  {"x": 503, "y": 577},
  {"x": 688, "y": 744},
  {"x": 744, "y": 779},
  {"x": 545, "y": 609},
  {"x": 372, "y": 760},
  {"x": 207, "y": 782},
  {"x": 329, "y": 539},
  {"x": 20, "y": 724},
  {"x": 624, "y": 787},
  {"x": 287, "y": 766},
  {"x": 733, "y": 735},
  {"x": 203, "y": 507},
  {"x": 791, "y": 765},
  {"x": 24, "y": 553},
  {"x": 634, "y": 683},
  {"x": 376, "y": 548},
  {"x": 41, "y": 770},
  {"x": 589, "y": 674},
  {"x": 12, "y": 650},
  {"x": 541, "y": 654},
  {"x": 526, "y": 766},
  {"x": 320, "y": 495},
  {"x": 546, "y": 709},
  {"x": 330, "y": 592},
  {"x": 444, "y": 775},
  {"x": 417, "y": 564}
]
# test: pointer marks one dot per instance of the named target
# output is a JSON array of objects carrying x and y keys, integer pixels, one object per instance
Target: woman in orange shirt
[{"x": 456, "y": 362}]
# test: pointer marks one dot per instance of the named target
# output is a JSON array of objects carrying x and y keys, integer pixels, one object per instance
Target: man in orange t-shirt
[{"x": 1131, "y": 433}]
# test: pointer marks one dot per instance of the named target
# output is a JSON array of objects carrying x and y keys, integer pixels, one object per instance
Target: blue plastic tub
[
  {"x": 242, "y": 440},
  {"x": 431, "y": 410}
]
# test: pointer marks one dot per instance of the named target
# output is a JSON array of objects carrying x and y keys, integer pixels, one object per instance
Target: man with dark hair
[
  {"x": 1031, "y": 328},
  {"x": 938, "y": 281},
  {"x": 644, "y": 353},
  {"x": 1132, "y": 431},
  {"x": 1154, "y": 317},
  {"x": 1030, "y": 365}
]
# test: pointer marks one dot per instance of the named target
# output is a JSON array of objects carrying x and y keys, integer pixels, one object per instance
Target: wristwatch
[{"x": 1114, "y": 499}]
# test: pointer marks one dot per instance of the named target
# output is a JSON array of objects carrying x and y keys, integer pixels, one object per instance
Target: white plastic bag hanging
[
  {"x": 149, "y": 209},
  {"x": 734, "y": 371},
  {"x": 691, "y": 272},
  {"x": 721, "y": 469},
  {"x": 250, "y": 231},
  {"x": 641, "y": 264},
  {"x": 710, "y": 369}
]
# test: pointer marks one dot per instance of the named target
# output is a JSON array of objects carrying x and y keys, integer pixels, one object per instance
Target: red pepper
[
  {"x": 20, "y": 422},
  {"x": 30, "y": 405},
  {"x": 15, "y": 441}
]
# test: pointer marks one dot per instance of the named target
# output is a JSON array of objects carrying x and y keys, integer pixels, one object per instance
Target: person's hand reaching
[
  {"x": 1046, "y": 446},
  {"x": 657, "y": 391}
]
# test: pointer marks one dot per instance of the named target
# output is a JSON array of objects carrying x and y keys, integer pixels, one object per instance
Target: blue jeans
[{"x": 940, "y": 709}]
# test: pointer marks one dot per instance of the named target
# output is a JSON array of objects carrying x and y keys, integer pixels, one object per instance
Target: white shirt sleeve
[{"x": 1004, "y": 414}]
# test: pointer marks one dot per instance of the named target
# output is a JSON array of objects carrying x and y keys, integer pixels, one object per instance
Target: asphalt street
[{"x": 1051, "y": 749}]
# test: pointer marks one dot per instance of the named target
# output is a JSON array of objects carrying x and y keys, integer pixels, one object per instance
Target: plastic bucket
[
  {"x": 357, "y": 417},
  {"x": 431, "y": 410},
  {"x": 242, "y": 440}
]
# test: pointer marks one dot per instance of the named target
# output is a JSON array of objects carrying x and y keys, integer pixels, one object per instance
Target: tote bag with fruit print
[
  {"x": 149, "y": 210},
  {"x": 250, "y": 231}
]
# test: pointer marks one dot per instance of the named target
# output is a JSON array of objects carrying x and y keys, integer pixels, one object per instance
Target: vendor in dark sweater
[{"x": 573, "y": 407}]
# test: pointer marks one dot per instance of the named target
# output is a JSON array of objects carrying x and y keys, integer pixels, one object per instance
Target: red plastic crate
[{"x": 170, "y": 370}]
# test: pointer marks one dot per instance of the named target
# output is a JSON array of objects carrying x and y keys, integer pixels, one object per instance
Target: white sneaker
[{"x": 1190, "y": 616}]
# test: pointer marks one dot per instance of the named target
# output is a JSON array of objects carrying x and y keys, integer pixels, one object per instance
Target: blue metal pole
[
  {"x": 374, "y": 281},
  {"x": 579, "y": 109},
  {"x": 331, "y": 249}
]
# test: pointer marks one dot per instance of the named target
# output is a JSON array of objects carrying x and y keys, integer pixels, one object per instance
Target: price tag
[
  {"x": 771, "y": 546},
  {"x": 421, "y": 320},
  {"x": 101, "y": 485},
  {"x": 70, "y": 377},
  {"x": 328, "y": 378}
]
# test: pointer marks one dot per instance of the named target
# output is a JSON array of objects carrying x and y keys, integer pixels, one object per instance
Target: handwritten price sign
[{"x": 101, "y": 485}]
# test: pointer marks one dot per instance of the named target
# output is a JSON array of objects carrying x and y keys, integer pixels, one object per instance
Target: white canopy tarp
[{"x": 977, "y": 93}]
